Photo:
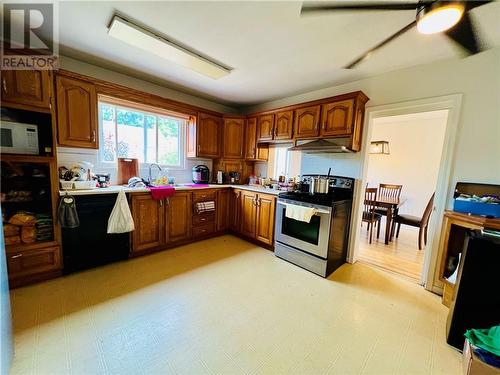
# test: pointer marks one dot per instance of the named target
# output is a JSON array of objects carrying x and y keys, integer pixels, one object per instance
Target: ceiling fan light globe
[{"x": 440, "y": 19}]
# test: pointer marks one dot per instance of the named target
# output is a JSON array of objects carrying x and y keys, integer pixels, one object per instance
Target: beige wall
[
  {"x": 416, "y": 145},
  {"x": 125, "y": 80},
  {"x": 477, "y": 152}
]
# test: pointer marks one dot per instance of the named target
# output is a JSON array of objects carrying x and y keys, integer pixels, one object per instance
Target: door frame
[{"x": 453, "y": 104}]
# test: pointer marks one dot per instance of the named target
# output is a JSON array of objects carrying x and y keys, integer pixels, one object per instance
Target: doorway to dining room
[{"x": 403, "y": 167}]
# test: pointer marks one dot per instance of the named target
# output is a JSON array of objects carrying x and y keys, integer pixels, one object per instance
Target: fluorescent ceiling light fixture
[
  {"x": 137, "y": 36},
  {"x": 440, "y": 18},
  {"x": 379, "y": 147}
]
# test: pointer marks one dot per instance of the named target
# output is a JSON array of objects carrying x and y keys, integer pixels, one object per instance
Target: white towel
[{"x": 299, "y": 213}]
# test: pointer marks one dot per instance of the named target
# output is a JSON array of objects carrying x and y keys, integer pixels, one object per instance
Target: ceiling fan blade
[
  {"x": 315, "y": 7},
  {"x": 380, "y": 45},
  {"x": 463, "y": 34},
  {"x": 473, "y": 4}
]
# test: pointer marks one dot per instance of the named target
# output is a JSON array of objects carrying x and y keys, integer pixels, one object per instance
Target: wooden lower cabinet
[
  {"x": 256, "y": 215},
  {"x": 149, "y": 220},
  {"x": 178, "y": 217},
  {"x": 27, "y": 265},
  {"x": 223, "y": 209},
  {"x": 248, "y": 213},
  {"x": 234, "y": 210},
  {"x": 266, "y": 210}
]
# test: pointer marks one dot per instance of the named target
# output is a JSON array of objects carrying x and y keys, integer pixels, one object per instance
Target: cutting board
[{"x": 127, "y": 168}]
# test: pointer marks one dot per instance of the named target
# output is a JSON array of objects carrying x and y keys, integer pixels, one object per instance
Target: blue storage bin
[{"x": 477, "y": 208}]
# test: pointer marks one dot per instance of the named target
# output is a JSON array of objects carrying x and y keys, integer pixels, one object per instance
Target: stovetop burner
[{"x": 340, "y": 188}]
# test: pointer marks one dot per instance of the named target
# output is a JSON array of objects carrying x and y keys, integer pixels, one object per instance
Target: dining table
[{"x": 392, "y": 204}]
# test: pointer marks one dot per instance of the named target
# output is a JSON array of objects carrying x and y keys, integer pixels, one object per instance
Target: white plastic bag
[{"x": 120, "y": 220}]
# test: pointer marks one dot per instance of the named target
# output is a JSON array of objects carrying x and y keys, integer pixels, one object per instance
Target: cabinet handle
[
  {"x": 161, "y": 203},
  {"x": 93, "y": 136},
  {"x": 16, "y": 256},
  {"x": 167, "y": 201},
  {"x": 259, "y": 202},
  {"x": 198, "y": 149},
  {"x": 203, "y": 219},
  {"x": 4, "y": 85}
]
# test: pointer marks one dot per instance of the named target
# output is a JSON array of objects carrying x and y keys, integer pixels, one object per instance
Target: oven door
[{"x": 310, "y": 237}]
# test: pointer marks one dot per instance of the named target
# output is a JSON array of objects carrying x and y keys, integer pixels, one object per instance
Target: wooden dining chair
[
  {"x": 369, "y": 214},
  {"x": 420, "y": 222},
  {"x": 388, "y": 191}
]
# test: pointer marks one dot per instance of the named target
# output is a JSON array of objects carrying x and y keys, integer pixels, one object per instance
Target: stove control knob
[{"x": 348, "y": 183}]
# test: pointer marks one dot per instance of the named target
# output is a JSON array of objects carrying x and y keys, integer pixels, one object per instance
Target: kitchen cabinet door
[
  {"x": 27, "y": 87},
  {"x": 306, "y": 124},
  {"x": 251, "y": 139},
  {"x": 233, "y": 140},
  {"x": 208, "y": 136},
  {"x": 262, "y": 152},
  {"x": 234, "y": 209},
  {"x": 222, "y": 209},
  {"x": 178, "y": 217},
  {"x": 265, "y": 128},
  {"x": 31, "y": 262},
  {"x": 149, "y": 221},
  {"x": 337, "y": 118},
  {"x": 248, "y": 213},
  {"x": 283, "y": 127},
  {"x": 76, "y": 113},
  {"x": 266, "y": 207}
]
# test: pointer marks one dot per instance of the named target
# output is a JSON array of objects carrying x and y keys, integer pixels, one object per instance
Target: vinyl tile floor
[{"x": 225, "y": 306}]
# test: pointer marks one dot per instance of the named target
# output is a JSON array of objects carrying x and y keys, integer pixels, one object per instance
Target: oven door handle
[{"x": 318, "y": 211}]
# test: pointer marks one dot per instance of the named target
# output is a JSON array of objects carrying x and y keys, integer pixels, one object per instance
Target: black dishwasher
[{"x": 90, "y": 245}]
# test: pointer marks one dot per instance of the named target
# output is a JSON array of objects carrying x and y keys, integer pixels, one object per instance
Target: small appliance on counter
[
  {"x": 201, "y": 174},
  {"x": 220, "y": 177},
  {"x": 234, "y": 177},
  {"x": 103, "y": 179}
]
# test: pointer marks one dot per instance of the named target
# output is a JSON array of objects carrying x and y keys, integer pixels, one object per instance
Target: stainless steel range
[{"x": 320, "y": 244}]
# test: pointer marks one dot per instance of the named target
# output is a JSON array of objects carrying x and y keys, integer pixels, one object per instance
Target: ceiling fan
[{"x": 433, "y": 16}]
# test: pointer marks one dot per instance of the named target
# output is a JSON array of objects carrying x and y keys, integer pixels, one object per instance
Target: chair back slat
[
  {"x": 389, "y": 191},
  {"x": 427, "y": 212},
  {"x": 370, "y": 201}
]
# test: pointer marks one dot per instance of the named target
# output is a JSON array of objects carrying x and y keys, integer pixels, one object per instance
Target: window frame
[{"x": 146, "y": 110}]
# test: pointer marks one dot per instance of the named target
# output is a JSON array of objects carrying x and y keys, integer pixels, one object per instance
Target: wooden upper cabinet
[
  {"x": 27, "y": 87},
  {"x": 265, "y": 128},
  {"x": 149, "y": 221},
  {"x": 251, "y": 139},
  {"x": 178, "y": 217},
  {"x": 266, "y": 207},
  {"x": 248, "y": 213},
  {"x": 283, "y": 127},
  {"x": 233, "y": 140},
  {"x": 76, "y": 113},
  {"x": 337, "y": 118},
  {"x": 204, "y": 136},
  {"x": 306, "y": 123}
]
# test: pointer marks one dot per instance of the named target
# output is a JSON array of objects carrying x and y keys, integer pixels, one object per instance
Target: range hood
[{"x": 320, "y": 146}]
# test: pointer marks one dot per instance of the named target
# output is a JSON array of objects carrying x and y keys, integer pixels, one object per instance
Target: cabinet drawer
[
  {"x": 206, "y": 195},
  {"x": 31, "y": 262},
  {"x": 203, "y": 230},
  {"x": 203, "y": 219}
]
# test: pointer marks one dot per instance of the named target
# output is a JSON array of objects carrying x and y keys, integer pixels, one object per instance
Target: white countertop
[{"x": 126, "y": 189}]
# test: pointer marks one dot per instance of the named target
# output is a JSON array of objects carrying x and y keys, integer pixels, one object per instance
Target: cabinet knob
[
  {"x": 16, "y": 256},
  {"x": 93, "y": 136},
  {"x": 4, "y": 85},
  {"x": 161, "y": 203}
]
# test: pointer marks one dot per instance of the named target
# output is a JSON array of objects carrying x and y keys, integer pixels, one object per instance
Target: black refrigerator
[{"x": 476, "y": 301}]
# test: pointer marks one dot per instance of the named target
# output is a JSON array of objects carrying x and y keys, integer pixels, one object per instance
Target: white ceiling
[{"x": 275, "y": 53}]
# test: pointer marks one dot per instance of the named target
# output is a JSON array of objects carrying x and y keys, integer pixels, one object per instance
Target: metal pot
[{"x": 318, "y": 185}]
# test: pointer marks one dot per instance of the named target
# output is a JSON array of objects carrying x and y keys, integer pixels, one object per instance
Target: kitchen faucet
[{"x": 150, "y": 180}]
